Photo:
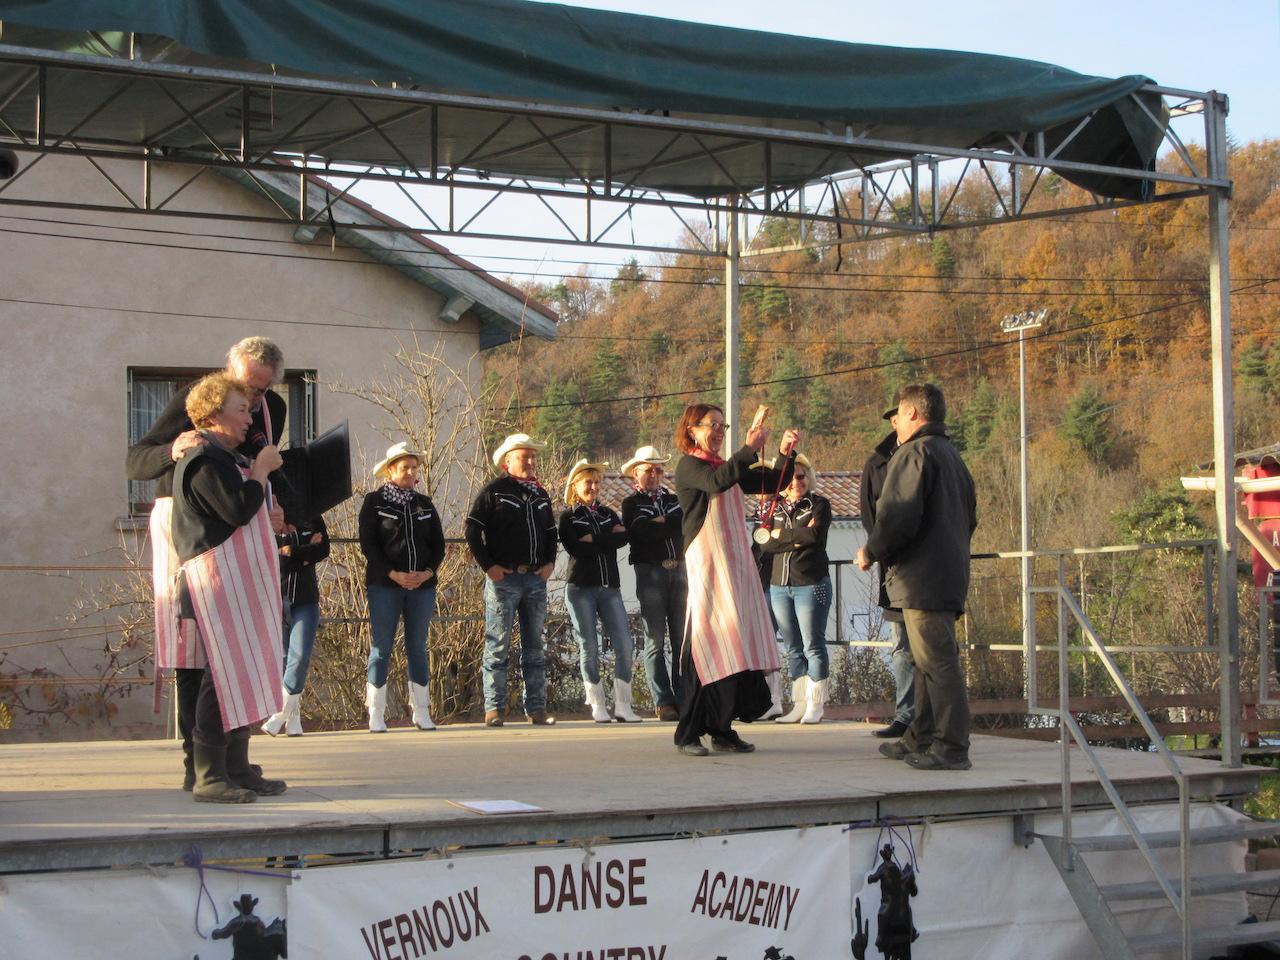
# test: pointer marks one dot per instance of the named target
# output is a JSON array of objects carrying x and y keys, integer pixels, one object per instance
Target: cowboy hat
[
  {"x": 517, "y": 441},
  {"x": 581, "y": 466},
  {"x": 803, "y": 461},
  {"x": 889, "y": 414},
  {"x": 644, "y": 455},
  {"x": 397, "y": 451}
]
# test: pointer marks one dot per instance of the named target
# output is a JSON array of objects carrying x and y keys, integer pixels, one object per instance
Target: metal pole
[
  {"x": 731, "y": 327},
  {"x": 1028, "y": 613},
  {"x": 1224, "y": 496}
]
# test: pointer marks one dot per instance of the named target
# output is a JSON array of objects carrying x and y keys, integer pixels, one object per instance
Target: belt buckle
[{"x": 670, "y": 564}]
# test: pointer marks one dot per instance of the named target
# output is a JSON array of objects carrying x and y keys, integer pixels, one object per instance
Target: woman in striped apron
[
  {"x": 229, "y": 586},
  {"x": 728, "y": 637}
]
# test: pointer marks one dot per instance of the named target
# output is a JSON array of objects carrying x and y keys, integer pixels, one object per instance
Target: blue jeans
[
  {"x": 387, "y": 606},
  {"x": 903, "y": 667},
  {"x": 801, "y": 613},
  {"x": 662, "y": 595},
  {"x": 301, "y": 621},
  {"x": 523, "y": 594},
  {"x": 585, "y": 605}
]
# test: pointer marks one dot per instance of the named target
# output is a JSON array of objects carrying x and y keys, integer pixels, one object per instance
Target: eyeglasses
[{"x": 713, "y": 426}]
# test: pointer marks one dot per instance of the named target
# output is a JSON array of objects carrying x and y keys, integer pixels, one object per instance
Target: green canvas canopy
[{"x": 523, "y": 52}]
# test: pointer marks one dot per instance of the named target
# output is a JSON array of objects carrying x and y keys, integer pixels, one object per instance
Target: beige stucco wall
[{"x": 76, "y": 314}]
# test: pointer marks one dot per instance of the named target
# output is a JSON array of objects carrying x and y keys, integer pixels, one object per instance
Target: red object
[{"x": 1264, "y": 509}]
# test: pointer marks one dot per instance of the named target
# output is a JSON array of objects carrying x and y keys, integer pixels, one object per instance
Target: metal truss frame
[{"x": 866, "y": 188}]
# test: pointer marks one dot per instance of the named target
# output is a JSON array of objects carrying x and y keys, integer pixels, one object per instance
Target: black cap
[{"x": 890, "y": 413}]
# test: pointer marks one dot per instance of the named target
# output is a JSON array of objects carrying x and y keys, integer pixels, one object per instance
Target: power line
[
  {"x": 976, "y": 348},
  {"x": 709, "y": 283}
]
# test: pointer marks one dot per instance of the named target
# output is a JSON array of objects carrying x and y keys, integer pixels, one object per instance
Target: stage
[{"x": 76, "y": 805}]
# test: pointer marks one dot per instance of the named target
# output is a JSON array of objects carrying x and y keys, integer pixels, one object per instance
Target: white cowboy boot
[
  {"x": 622, "y": 702},
  {"x": 799, "y": 700},
  {"x": 375, "y": 698},
  {"x": 817, "y": 697},
  {"x": 420, "y": 697},
  {"x": 294, "y": 726},
  {"x": 276, "y": 722},
  {"x": 595, "y": 700},
  {"x": 774, "y": 680}
]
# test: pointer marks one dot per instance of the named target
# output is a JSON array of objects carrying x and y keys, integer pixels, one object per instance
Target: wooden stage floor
[{"x": 66, "y": 805}]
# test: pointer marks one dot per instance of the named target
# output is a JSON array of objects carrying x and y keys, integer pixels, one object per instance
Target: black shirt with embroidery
[
  {"x": 298, "y": 583},
  {"x": 800, "y": 550},
  {"x": 400, "y": 536},
  {"x": 593, "y": 563},
  {"x": 651, "y": 541},
  {"x": 511, "y": 525}
]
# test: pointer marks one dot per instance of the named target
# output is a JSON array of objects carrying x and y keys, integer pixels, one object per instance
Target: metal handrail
[{"x": 1180, "y": 901}]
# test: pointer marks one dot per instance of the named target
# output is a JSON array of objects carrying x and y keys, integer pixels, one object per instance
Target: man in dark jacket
[
  {"x": 901, "y": 664},
  {"x": 511, "y": 533},
  {"x": 925, "y": 518}
]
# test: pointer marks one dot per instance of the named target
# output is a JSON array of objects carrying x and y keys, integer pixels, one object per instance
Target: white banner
[{"x": 717, "y": 897}]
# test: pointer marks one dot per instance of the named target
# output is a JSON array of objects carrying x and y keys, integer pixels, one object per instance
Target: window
[{"x": 151, "y": 389}]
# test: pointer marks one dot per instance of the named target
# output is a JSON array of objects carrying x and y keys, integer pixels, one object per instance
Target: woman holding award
[{"x": 728, "y": 639}]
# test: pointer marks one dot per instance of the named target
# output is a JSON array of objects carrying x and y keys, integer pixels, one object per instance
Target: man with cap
[
  {"x": 511, "y": 532},
  {"x": 653, "y": 518},
  {"x": 925, "y": 517},
  {"x": 901, "y": 664}
]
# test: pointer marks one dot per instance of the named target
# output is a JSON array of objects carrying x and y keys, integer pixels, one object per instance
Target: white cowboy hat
[
  {"x": 517, "y": 441},
  {"x": 579, "y": 467},
  {"x": 644, "y": 455},
  {"x": 397, "y": 451}
]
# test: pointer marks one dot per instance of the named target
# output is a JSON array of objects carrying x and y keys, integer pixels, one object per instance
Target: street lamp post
[{"x": 1021, "y": 323}]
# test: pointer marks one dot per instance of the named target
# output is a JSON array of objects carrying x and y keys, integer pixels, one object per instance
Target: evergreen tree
[
  {"x": 1088, "y": 423},
  {"x": 605, "y": 381},
  {"x": 785, "y": 397},
  {"x": 628, "y": 277},
  {"x": 819, "y": 419},
  {"x": 1252, "y": 368},
  {"x": 901, "y": 366},
  {"x": 560, "y": 423},
  {"x": 944, "y": 258},
  {"x": 980, "y": 415}
]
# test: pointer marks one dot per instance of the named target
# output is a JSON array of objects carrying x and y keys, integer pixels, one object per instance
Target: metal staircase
[{"x": 1094, "y": 899}]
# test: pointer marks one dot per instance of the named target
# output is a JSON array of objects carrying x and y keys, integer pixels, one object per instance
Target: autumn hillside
[{"x": 1119, "y": 383}]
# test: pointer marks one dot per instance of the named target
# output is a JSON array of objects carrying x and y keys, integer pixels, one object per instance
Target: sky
[{"x": 1232, "y": 46}]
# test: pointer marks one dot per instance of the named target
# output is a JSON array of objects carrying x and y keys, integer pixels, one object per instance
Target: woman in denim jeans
[
  {"x": 403, "y": 543},
  {"x": 302, "y": 546},
  {"x": 800, "y": 590},
  {"x": 591, "y": 534}
]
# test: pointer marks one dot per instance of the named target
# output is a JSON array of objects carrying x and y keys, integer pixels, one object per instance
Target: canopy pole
[
  {"x": 732, "y": 326},
  {"x": 1224, "y": 495}
]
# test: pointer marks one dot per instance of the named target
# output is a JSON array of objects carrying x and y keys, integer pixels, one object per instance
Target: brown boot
[
  {"x": 245, "y": 774},
  {"x": 540, "y": 718},
  {"x": 668, "y": 712},
  {"x": 493, "y": 718}
]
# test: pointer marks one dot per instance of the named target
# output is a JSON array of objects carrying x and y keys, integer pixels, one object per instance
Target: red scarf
[{"x": 712, "y": 458}]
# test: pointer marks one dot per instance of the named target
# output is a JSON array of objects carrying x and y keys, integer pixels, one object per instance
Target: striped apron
[
  {"x": 235, "y": 592},
  {"x": 726, "y": 619},
  {"x": 176, "y": 647}
]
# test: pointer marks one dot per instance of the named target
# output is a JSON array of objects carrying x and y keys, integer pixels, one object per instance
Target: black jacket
[
  {"x": 298, "y": 582},
  {"x": 653, "y": 542},
  {"x": 925, "y": 518},
  {"x": 698, "y": 481},
  {"x": 211, "y": 499},
  {"x": 595, "y": 563},
  {"x": 510, "y": 526},
  {"x": 800, "y": 553},
  {"x": 399, "y": 536},
  {"x": 869, "y": 487},
  {"x": 149, "y": 459}
]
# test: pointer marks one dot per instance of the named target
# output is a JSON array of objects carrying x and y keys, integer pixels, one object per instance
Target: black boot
[
  {"x": 211, "y": 783},
  {"x": 188, "y": 766},
  {"x": 245, "y": 774}
]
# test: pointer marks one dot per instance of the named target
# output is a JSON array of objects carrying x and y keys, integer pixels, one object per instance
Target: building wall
[{"x": 88, "y": 295}]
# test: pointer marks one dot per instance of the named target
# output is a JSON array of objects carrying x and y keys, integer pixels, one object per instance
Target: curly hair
[{"x": 209, "y": 395}]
